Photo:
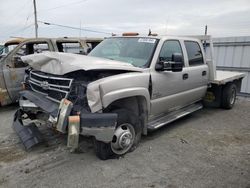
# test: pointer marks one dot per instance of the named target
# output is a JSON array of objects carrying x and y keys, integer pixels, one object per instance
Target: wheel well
[
  {"x": 215, "y": 99},
  {"x": 238, "y": 84},
  {"x": 135, "y": 104}
]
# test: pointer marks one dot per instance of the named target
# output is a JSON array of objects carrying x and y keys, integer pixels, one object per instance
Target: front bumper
[
  {"x": 99, "y": 125},
  {"x": 29, "y": 134}
]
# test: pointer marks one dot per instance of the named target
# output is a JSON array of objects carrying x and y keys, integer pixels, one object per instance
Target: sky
[{"x": 165, "y": 17}]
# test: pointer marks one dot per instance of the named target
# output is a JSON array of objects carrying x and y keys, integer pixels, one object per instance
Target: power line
[
  {"x": 21, "y": 9},
  {"x": 28, "y": 15},
  {"x": 53, "y": 8},
  {"x": 18, "y": 31},
  {"x": 76, "y": 28},
  {"x": 64, "y": 5}
]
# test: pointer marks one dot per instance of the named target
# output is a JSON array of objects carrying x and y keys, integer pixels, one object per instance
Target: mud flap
[
  {"x": 29, "y": 135},
  {"x": 100, "y": 125}
]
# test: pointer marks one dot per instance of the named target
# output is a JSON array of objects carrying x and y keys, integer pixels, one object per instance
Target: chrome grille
[{"x": 55, "y": 88}]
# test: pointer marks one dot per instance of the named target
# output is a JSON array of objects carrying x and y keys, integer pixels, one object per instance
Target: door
[
  {"x": 168, "y": 87},
  {"x": 14, "y": 68},
  {"x": 197, "y": 72}
]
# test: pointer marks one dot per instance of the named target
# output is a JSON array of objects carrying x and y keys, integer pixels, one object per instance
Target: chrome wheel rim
[
  {"x": 123, "y": 139},
  {"x": 233, "y": 96}
]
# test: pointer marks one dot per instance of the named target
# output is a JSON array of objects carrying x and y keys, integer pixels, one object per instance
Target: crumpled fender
[{"x": 103, "y": 92}]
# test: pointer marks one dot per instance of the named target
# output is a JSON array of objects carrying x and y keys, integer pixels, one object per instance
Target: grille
[{"x": 55, "y": 88}]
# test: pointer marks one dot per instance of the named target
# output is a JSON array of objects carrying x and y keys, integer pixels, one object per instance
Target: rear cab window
[{"x": 194, "y": 53}]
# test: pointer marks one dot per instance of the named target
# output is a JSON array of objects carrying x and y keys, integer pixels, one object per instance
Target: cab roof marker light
[{"x": 130, "y": 34}]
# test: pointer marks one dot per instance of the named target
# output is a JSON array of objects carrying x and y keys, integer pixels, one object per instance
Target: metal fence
[{"x": 233, "y": 54}]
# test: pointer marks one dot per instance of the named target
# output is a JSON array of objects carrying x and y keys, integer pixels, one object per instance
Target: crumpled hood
[{"x": 62, "y": 63}]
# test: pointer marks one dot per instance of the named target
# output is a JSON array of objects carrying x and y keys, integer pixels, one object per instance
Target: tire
[
  {"x": 228, "y": 96},
  {"x": 127, "y": 120}
]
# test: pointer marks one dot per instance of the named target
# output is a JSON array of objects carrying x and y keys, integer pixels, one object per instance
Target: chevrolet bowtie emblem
[{"x": 45, "y": 85}]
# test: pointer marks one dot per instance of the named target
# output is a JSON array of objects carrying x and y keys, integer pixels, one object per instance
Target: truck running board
[{"x": 172, "y": 116}]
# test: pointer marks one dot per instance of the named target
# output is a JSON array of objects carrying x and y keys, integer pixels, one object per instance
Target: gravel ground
[{"x": 210, "y": 148}]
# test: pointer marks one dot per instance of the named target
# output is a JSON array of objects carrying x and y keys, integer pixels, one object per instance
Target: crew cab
[
  {"x": 127, "y": 86},
  {"x": 12, "y": 67}
]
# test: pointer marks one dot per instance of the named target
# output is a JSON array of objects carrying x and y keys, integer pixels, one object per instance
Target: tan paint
[
  {"x": 4, "y": 97},
  {"x": 13, "y": 75}
]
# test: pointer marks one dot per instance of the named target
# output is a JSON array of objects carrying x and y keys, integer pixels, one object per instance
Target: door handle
[
  {"x": 185, "y": 76},
  {"x": 204, "y": 73}
]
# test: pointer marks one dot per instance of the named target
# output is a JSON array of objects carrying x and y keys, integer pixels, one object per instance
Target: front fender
[
  {"x": 112, "y": 96},
  {"x": 103, "y": 92}
]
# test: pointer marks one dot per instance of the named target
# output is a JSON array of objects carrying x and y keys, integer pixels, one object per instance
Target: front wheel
[{"x": 125, "y": 136}]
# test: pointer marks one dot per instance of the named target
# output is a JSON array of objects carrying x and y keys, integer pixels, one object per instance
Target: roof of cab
[
  {"x": 65, "y": 38},
  {"x": 14, "y": 41},
  {"x": 160, "y": 37}
]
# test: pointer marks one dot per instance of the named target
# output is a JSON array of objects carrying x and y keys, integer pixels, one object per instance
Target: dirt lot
[{"x": 210, "y": 148}]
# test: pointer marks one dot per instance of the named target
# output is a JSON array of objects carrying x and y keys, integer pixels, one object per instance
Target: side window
[
  {"x": 194, "y": 53},
  {"x": 22, "y": 51},
  {"x": 40, "y": 47},
  {"x": 16, "y": 61},
  {"x": 168, "y": 49},
  {"x": 93, "y": 44},
  {"x": 27, "y": 49},
  {"x": 70, "y": 47}
]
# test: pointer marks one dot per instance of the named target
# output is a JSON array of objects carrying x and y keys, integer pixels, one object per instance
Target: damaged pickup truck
[{"x": 124, "y": 88}]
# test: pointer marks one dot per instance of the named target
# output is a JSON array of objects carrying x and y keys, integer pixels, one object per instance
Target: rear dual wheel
[
  {"x": 229, "y": 96},
  {"x": 126, "y": 136}
]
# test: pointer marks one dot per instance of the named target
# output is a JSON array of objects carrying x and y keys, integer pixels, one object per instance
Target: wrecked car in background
[
  {"x": 12, "y": 68},
  {"x": 124, "y": 88},
  {"x": 9, "y": 46}
]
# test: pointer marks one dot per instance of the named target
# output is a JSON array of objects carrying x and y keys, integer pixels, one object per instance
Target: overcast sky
[{"x": 173, "y": 17}]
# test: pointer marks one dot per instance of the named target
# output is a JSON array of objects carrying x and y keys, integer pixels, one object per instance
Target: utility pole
[
  {"x": 206, "y": 30},
  {"x": 35, "y": 13},
  {"x": 205, "y": 43}
]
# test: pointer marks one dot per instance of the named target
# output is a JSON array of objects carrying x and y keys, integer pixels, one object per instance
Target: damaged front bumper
[
  {"x": 99, "y": 125},
  {"x": 29, "y": 134}
]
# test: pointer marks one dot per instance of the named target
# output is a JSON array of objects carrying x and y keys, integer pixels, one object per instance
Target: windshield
[{"x": 136, "y": 51}]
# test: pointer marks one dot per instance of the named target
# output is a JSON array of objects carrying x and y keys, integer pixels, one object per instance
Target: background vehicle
[
  {"x": 126, "y": 87},
  {"x": 1, "y": 48},
  {"x": 12, "y": 68},
  {"x": 9, "y": 46}
]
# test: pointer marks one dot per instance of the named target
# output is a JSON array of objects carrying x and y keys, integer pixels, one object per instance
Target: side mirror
[
  {"x": 175, "y": 65},
  {"x": 178, "y": 62},
  {"x": 177, "y": 57}
]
